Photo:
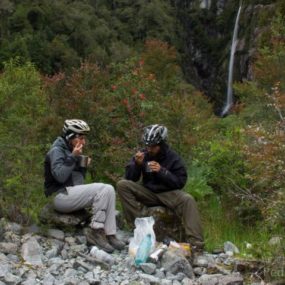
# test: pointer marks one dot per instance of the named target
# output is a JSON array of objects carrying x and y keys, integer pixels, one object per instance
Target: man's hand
[
  {"x": 77, "y": 150},
  {"x": 154, "y": 166},
  {"x": 139, "y": 157}
]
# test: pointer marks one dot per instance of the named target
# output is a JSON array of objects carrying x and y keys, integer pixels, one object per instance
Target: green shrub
[
  {"x": 225, "y": 163},
  {"x": 197, "y": 184},
  {"x": 22, "y": 107}
]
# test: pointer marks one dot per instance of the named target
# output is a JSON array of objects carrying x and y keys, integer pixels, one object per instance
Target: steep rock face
[{"x": 208, "y": 36}]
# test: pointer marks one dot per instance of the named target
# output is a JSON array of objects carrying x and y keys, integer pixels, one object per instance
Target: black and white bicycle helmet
[
  {"x": 154, "y": 134},
  {"x": 74, "y": 127}
]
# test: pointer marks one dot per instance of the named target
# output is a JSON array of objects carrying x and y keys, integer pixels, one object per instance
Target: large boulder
[
  {"x": 81, "y": 218},
  {"x": 167, "y": 223},
  {"x": 52, "y": 217}
]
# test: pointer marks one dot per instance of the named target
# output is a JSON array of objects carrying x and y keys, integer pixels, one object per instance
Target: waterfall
[
  {"x": 205, "y": 4},
  {"x": 229, "y": 101}
]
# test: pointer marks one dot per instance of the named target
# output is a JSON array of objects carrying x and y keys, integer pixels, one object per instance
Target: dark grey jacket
[
  {"x": 61, "y": 168},
  {"x": 172, "y": 176}
]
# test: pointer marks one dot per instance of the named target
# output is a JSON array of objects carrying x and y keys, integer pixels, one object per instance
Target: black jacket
[
  {"x": 61, "y": 168},
  {"x": 172, "y": 176}
]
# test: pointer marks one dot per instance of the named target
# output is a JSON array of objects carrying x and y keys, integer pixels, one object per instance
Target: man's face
[
  {"x": 78, "y": 139},
  {"x": 153, "y": 150}
]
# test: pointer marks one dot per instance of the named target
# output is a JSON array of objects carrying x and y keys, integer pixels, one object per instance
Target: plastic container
[
  {"x": 144, "y": 226},
  {"x": 143, "y": 250},
  {"x": 101, "y": 255},
  {"x": 156, "y": 255}
]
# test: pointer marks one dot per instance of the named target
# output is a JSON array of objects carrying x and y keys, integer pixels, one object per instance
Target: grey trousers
[
  {"x": 101, "y": 197},
  {"x": 134, "y": 195}
]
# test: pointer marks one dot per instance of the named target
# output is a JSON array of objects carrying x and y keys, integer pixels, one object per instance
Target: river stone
[
  {"x": 84, "y": 283},
  {"x": 57, "y": 234},
  {"x": 179, "y": 276},
  {"x": 150, "y": 278},
  {"x": 50, "y": 216},
  {"x": 72, "y": 240},
  {"x": 148, "y": 268},
  {"x": 11, "y": 279},
  {"x": 49, "y": 279},
  {"x": 31, "y": 281},
  {"x": 32, "y": 252},
  {"x": 230, "y": 247},
  {"x": 210, "y": 279},
  {"x": 275, "y": 241},
  {"x": 159, "y": 273},
  {"x": 70, "y": 272},
  {"x": 187, "y": 281},
  {"x": 85, "y": 265},
  {"x": 166, "y": 282},
  {"x": 8, "y": 247},
  {"x": 167, "y": 223},
  {"x": 231, "y": 280},
  {"x": 201, "y": 261},
  {"x": 248, "y": 266},
  {"x": 4, "y": 269},
  {"x": 199, "y": 271},
  {"x": 89, "y": 276},
  {"x": 12, "y": 257},
  {"x": 3, "y": 257},
  {"x": 12, "y": 227},
  {"x": 12, "y": 237},
  {"x": 53, "y": 252},
  {"x": 174, "y": 262}
]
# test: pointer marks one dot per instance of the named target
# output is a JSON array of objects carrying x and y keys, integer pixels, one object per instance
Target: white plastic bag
[{"x": 144, "y": 226}]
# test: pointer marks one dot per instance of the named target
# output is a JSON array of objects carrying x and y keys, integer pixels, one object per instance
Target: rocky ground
[{"x": 29, "y": 256}]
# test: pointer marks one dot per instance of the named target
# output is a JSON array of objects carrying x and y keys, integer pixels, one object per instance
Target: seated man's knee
[
  {"x": 188, "y": 199},
  {"x": 122, "y": 184},
  {"x": 109, "y": 189}
]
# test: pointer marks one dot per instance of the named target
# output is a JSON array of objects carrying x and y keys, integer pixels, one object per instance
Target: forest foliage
[{"x": 57, "y": 35}]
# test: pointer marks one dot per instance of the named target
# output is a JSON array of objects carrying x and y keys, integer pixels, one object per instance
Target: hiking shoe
[
  {"x": 196, "y": 244},
  {"x": 197, "y": 249},
  {"x": 98, "y": 237},
  {"x": 116, "y": 243}
]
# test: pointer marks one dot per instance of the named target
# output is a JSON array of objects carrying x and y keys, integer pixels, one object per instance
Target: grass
[
  {"x": 252, "y": 241},
  {"x": 220, "y": 227}
]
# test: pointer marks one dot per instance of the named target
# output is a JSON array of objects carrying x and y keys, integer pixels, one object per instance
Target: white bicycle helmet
[
  {"x": 154, "y": 134},
  {"x": 74, "y": 127}
]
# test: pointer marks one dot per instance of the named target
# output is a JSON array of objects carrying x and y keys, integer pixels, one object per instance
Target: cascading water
[{"x": 229, "y": 101}]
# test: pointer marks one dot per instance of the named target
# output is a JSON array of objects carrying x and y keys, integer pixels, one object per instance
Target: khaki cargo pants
[
  {"x": 99, "y": 196},
  {"x": 133, "y": 196}
]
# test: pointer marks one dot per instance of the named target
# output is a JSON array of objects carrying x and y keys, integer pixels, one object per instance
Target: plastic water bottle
[
  {"x": 101, "y": 255},
  {"x": 143, "y": 250}
]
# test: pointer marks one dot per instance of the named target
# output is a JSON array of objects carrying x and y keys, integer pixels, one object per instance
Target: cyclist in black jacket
[{"x": 163, "y": 176}]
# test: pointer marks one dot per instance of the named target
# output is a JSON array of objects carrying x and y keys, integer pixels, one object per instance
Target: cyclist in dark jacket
[
  {"x": 163, "y": 176},
  {"x": 64, "y": 177},
  {"x": 172, "y": 174}
]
